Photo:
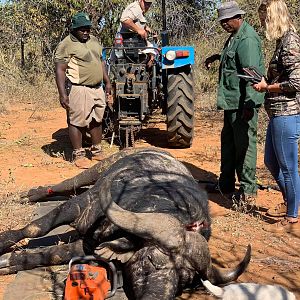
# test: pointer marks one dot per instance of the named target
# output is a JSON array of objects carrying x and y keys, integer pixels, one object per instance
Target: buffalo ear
[{"x": 121, "y": 249}]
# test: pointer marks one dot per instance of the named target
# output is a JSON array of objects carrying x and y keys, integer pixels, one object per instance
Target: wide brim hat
[
  {"x": 81, "y": 19},
  {"x": 228, "y": 10}
]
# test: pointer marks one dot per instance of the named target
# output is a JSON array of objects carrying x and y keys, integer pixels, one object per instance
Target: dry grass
[
  {"x": 10, "y": 207},
  {"x": 19, "y": 86},
  {"x": 42, "y": 92}
]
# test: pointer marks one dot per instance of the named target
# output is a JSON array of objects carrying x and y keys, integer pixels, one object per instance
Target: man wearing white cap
[{"x": 239, "y": 102}]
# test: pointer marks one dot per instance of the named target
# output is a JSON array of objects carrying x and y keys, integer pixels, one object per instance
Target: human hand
[
  {"x": 143, "y": 33},
  {"x": 109, "y": 99},
  {"x": 107, "y": 88},
  {"x": 210, "y": 60},
  {"x": 261, "y": 86},
  {"x": 150, "y": 61},
  {"x": 64, "y": 101},
  {"x": 148, "y": 29},
  {"x": 247, "y": 114}
]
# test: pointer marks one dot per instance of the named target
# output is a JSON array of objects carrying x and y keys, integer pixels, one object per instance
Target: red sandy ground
[{"x": 31, "y": 146}]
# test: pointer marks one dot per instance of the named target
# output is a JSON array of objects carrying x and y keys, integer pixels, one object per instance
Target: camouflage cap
[
  {"x": 81, "y": 19},
  {"x": 150, "y": 1}
]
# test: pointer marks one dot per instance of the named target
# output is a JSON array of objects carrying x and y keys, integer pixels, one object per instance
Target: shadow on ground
[
  {"x": 62, "y": 145},
  {"x": 206, "y": 177},
  {"x": 155, "y": 137}
]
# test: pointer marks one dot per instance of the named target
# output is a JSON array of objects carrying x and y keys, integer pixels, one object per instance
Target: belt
[{"x": 89, "y": 86}]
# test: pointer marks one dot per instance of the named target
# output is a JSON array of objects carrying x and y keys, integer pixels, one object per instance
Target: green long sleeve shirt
[{"x": 242, "y": 49}]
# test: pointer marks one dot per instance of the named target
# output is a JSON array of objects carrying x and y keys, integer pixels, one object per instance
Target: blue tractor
[{"x": 139, "y": 91}]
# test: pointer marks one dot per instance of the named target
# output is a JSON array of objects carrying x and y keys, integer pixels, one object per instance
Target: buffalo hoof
[
  {"x": 7, "y": 266},
  {"x": 35, "y": 194},
  {"x": 4, "y": 260}
]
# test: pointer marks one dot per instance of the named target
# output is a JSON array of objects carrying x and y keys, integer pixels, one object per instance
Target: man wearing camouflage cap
[
  {"x": 80, "y": 72},
  {"x": 239, "y": 102}
]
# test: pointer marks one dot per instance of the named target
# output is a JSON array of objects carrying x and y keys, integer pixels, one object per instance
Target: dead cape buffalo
[{"x": 145, "y": 209}]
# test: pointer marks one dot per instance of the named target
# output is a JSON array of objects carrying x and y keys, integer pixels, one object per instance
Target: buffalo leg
[
  {"x": 48, "y": 256},
  {"x": 80, "y": 213},
  {"x": 69, "y": 186},
  {"x": 65, "y": 213}
]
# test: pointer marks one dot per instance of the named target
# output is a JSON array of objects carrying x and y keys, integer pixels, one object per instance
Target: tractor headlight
[{"x": 170, "y": 55}]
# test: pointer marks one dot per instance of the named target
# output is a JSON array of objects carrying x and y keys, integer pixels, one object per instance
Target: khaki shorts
[{"x": 85, "y": 104}]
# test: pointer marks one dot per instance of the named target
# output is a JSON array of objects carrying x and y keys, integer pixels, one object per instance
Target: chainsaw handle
[
  {"x": 112, "y": 270},
  {"x": 80, "y": 258}
]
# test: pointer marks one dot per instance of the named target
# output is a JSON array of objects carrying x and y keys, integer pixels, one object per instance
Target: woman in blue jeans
[{"x": 282, "y": 103}]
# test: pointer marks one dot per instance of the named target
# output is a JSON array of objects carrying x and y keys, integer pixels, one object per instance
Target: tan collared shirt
[{"x": 84, "y": 60}]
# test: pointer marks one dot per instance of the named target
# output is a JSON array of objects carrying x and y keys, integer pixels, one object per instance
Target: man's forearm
[
  {"x": 131, "y": 25},
  {"x": 105, "y": 75},
  {"x": 60, "y": 82},
  {"x": 60, "y": 78}
]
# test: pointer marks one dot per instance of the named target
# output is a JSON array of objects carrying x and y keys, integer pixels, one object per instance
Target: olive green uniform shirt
[
  {"x": 242, "y": 49},
  {"x": 84, "y": 60}
]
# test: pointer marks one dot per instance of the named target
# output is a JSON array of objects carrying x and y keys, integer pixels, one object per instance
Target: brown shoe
[
  {"x": 96, "y": 152},
  {"x": 82, "y": 163},
  {"x": 80, "y": 160},
  {"x": 278, "y": 211},
  {"x": 284, "y": 226}
]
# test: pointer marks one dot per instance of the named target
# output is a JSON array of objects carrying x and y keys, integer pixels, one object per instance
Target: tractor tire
[{"x": 180, "y": 108}]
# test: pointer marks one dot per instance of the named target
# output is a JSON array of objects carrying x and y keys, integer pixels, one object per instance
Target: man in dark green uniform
[{"x": 239, "y": 102}]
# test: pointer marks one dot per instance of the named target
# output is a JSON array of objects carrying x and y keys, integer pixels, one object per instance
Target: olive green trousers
[{"x": 239, "y": 152}]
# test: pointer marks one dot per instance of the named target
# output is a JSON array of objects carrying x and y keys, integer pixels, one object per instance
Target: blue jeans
[{"x": 281, "y": 158}]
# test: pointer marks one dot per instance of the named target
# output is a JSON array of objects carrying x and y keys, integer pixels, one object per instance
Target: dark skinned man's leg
[
  {"x": 79, "y": 158},
  {"x": 96, "y": 134}
]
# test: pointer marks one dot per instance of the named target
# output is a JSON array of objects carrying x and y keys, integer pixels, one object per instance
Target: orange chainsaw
[{"x": 90, "y": 278}]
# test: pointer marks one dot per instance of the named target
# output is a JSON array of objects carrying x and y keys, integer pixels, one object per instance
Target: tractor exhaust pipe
[{"x": 164, "y": 34}]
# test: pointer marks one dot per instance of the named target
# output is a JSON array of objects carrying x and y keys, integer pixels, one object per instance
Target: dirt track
[{"x": 33, "y": 145}]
